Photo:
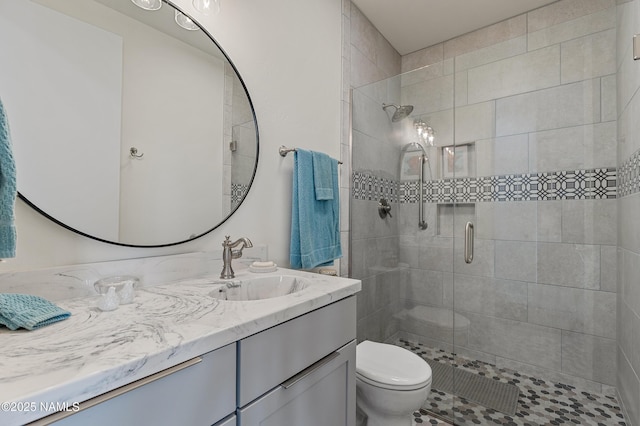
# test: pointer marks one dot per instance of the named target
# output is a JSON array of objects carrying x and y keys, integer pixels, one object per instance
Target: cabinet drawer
[
  {"x": 269, "y": 358},
  {"x": 198, "y": 392},
  {"x": 323, "y": 395}
]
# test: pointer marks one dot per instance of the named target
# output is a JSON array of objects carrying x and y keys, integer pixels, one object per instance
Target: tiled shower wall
[
  {"x": 628, "y": 351},
  {"x": 535, "y": 94},
  {"x": 368, "y": 57}
]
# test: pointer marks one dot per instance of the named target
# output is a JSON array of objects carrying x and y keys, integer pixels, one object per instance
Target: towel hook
[{"x": 133, "y": 151}]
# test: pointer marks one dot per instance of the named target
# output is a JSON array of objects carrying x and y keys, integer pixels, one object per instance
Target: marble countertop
[{"x": 93, "y": 351}]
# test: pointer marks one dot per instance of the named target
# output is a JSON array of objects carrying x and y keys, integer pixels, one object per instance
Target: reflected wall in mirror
[{"x": 83, "y": 82}]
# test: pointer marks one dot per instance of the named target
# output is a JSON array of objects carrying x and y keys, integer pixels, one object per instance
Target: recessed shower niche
[
  {"x": 457, "y": 161},
  {"x": 454, "y": 216},
  {"x": 456, "y": 167}
]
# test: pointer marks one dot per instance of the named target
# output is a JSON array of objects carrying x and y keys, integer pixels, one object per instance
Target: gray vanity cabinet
[
  {"x": 201, "y": 391},
  {"x": 322, "y": 396},
  {"x": 301, "y": 372}
]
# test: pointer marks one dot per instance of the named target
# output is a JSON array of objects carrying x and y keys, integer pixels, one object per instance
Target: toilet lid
[{"x": 391, "y": 366}]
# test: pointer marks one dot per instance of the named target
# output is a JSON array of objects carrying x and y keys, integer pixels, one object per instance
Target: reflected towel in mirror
[{"x": 7, "y": 190}]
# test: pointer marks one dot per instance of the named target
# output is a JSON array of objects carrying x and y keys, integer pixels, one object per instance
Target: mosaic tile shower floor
[{"x": 541, "y": 402}]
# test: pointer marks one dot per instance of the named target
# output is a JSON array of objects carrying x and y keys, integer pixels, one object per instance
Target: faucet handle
[{"x": 227, "y": 241}]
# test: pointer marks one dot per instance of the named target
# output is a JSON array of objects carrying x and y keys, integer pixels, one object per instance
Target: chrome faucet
[{"x": 228, "y": 254}]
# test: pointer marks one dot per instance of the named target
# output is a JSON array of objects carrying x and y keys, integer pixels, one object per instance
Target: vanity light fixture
[
  {"x": 425, "y": 132},
  {"x": 207, "y": 7},
  {"x": 185, "y": 22},
  {"x": 148, "y": 4}
]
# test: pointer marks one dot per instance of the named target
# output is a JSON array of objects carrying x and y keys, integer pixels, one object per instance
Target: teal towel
[
  {"x": 315, "y": 224},
  {"x": 7, "y": 190},
  {"x": 27, "y": 311},
  {"x": 322, "y": 176}
]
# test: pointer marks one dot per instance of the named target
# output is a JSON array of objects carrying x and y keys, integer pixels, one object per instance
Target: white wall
[{"x": 289, "y": 55}]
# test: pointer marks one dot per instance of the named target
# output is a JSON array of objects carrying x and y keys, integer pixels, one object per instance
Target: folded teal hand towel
[
  {"x": 315, "y": 224},
  {"x": 27, "y": 311},
  {"x": 8, "y": 190},
  {"x": 322, "y": 175}
]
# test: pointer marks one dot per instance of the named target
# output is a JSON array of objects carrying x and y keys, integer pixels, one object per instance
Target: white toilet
[{"x": 391, "y": 383}]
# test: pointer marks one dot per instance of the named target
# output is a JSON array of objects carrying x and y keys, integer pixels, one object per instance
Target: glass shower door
[
  {"x": 430, "y": 216},
  {"x": 403, "y": 256},
  {"x": 495, "y": 220}
]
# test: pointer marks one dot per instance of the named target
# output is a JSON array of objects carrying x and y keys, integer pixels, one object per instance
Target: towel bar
[{"x": 283, "y": 151}]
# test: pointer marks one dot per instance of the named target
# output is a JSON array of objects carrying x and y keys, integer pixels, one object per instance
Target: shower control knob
[{"x": 384, "y": 208}]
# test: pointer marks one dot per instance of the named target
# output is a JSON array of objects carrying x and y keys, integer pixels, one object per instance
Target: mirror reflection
[{"x": 126, "y": 127}]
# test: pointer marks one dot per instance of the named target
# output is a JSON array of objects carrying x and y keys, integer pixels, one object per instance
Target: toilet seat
[{"x": 391, "y": 367}]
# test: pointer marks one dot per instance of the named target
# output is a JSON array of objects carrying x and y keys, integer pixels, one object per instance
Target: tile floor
[{"x": 541, "y": 402}]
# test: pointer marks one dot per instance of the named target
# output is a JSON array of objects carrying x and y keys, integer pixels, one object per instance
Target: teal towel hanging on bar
[{"x": 315, "y": 224}]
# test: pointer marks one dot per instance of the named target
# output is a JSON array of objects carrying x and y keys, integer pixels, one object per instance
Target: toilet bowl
[{"x": 391, "y": 383}]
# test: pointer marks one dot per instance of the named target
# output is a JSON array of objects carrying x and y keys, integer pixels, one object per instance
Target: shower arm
[{"x": 422, "y": 224}]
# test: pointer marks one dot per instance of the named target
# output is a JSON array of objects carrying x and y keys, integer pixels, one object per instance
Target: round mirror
[{"x": 129, "y": 126}]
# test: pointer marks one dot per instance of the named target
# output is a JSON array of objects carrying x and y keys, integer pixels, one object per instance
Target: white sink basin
[{"x": 260, "y": 288}]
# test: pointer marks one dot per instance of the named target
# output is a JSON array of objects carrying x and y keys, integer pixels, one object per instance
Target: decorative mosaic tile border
[
  {"x": 238, "y": 192},
  {"x": 591, "y": 184},
  {"x": 629, "y": 176},
  {"x": 370, "y": 187},
  {"x": 565, "y": 185}
]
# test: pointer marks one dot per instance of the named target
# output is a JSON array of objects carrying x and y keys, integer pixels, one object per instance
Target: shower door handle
[
  {"x": 468, "y": 242},
  {"x": 422, "y": 224}
]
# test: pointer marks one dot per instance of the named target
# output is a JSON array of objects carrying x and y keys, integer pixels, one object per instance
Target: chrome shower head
[{"x": 402, "y": 111}]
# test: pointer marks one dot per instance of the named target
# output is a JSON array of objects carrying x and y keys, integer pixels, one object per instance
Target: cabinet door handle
[
  {"x": 310, "y": 369},
  {"x": 116, "y": 392}
]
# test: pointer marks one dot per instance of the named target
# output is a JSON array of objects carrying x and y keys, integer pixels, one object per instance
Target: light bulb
[
  {"x": 207, "y": 7},
  {"x": 185, "y": 22},
  {"x": 431, "y": 135},
  {"x": 148, "y": 4},
  {"x": 425, "y": 132}
]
